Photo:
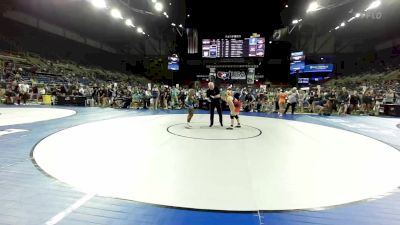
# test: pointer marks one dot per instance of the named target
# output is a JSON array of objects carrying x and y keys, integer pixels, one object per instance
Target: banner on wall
[
  {"x": 212, "y": 74},
  {"x": 250, "y": 75},
  {"x": 231, "y": 75},
  {"x": 238, "y": 75}
]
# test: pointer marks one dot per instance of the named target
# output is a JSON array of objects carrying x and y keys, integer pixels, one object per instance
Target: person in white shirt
[
  {"x": 24, "y": 92},
  {"x": 292, "y": 100}
]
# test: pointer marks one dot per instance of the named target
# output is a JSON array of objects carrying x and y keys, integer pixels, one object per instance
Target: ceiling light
[
  {"x": 374, "y": 5},
  {"x": 129, "y": 23},
  {"x": 139, "y": 30},
  {"x": 313, "y": 7},
  {"x": 116, "y": 14},
  {"x": 158, "y": 6},
  {"x": 100, "y": 4}
]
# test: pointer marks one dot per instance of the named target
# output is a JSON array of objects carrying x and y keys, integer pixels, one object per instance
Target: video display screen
[
  {"x": 318, "y": 68},
  {"x": 297, "y": 66},
  {"x": 297, "y": 62},
  {"x": 233, "y": 47},
  {"x": 173, "y": 63},
  {"x": 304, "y": 80}
]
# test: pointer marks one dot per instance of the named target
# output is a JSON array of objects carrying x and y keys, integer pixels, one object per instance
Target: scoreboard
[{"x": 233, "y": 47}]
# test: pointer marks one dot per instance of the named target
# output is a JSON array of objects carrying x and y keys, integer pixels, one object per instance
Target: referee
[{"x": 214, "y": 97}]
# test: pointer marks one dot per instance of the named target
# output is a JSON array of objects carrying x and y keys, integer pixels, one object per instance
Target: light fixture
[
  {"x": 343, "y": 24},
  {"x": 374, "y": 5},
  {"x": 153, "y": 1},
  {"x": 270, "y": 42},
  {"x": 100, "y": 4},
  {"x": 337, "y": 28},
  {"x": 173, "y": 24},
  {"x": 170, "y": 3},
  {"x": 358, "y": 15},
  {"x": 143, "y": 33},
  {"x": 139, "y": 30},
  {"x": 188, "y": 15},
  {"x": 180, "y": 25},
  {"x": 158, "y": 6},
  {"x": 129, "y": 23},
  {"x": 351, "y": 19},
  {"x": 286, "y": 6},
  {"x": 116, "y": 14},
  {"x": 295, "y": 21},
  {"x": 313, "y": 7}
]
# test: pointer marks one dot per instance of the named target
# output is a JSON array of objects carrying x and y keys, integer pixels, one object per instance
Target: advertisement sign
[
  {"x": 318, "y": 68},
  {"x": 303, "y": 80},
  {"x": 231, "y": 75},
  {"x": 223, "y": 75},
  {"x": 238, "y": 75}
]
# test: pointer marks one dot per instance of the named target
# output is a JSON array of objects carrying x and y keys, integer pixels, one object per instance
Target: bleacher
[{"x": 48, "y": 71}]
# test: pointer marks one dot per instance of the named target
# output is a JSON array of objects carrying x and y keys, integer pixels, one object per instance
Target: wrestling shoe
[{"x": 230, "y": 128}]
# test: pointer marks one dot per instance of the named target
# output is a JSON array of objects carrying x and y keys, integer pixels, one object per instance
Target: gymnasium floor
[{"x": 105, "y": 166}]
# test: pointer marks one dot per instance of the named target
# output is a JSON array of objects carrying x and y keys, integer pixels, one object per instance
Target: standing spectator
[
  {"x": 24, "y": 92},
  {"x": 343, "y": 101},
  {"x": 367, "y": 102},
  {"x": 249, "y": 102},
  {"x": 292, "y": 100},
  {"x": 155, "y": 93},
  {"x": 302, "y": 97},
  {"x": 146, "y": 98},
  {"x": 174, "y": 97},
  {"x": 354, "y": 102},
  {"x": 281, "y": 101}
]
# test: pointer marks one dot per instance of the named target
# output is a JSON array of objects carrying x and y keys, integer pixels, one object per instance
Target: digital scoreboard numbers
[{"x": 233, "y": 48}]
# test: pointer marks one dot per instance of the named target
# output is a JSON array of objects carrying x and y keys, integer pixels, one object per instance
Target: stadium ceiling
[
  {"x": 378, "y": 23},
  {"x": 80, "y": 16},
  {"x": 225, "y": 16}
]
